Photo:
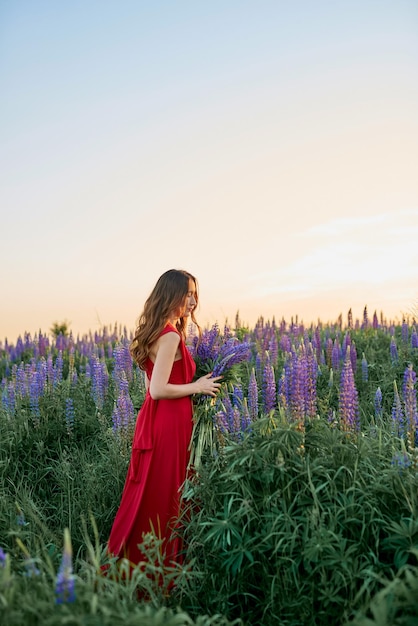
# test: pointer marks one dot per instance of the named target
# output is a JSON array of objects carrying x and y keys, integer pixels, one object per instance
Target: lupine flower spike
[
  {"x": 393, "y": 350},
  {"x": 348, "y": 404},
  {"x": 65, "y": 581},
  {"x": 398, "y": 419},
  {"x": 410, "y": 403},
  {"x": 3, "y": 557},
  {"x": 378, "y": 403}
]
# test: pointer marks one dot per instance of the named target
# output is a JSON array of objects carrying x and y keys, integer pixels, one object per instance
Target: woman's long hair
[{"x": 167, "y": 296}]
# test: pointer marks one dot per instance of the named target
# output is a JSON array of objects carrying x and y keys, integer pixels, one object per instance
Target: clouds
[{"x": 348, "y": 252}]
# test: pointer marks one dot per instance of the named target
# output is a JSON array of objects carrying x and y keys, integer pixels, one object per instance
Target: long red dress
[{"x": 160, "y": 455}]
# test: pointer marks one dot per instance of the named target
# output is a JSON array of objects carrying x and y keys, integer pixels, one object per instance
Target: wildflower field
[{"x": 302, "y": 509}]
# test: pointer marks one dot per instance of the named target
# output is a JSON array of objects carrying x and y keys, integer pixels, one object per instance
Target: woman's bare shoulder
[{"x": 167, "y": 342}]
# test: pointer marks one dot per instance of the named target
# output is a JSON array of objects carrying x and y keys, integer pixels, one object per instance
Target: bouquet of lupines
[{"x": 220, "y": 355}]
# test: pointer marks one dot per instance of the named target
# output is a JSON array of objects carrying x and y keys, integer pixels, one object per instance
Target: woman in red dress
[{"x": 160, "y": 448}]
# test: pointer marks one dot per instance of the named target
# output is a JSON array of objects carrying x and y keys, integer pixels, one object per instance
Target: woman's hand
[{"x": 207, "y": 385}]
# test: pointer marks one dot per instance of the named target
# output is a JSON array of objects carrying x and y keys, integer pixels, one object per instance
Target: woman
[{"x": 160, "y": 448}]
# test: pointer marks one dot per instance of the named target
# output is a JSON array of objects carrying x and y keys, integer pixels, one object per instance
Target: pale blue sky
[{"x": 234, "y": 139}]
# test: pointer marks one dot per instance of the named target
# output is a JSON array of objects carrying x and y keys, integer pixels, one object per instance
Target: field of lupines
[{"x": 304, "y": 507}]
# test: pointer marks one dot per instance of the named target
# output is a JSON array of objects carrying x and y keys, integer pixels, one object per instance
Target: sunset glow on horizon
[{"x": 269, "y": 148}]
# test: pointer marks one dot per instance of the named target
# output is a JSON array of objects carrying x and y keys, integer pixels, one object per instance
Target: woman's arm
[{"x": 159, "y": 387}]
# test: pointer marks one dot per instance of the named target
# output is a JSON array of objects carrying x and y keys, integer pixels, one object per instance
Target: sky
[{"x": 270, "y": 148}]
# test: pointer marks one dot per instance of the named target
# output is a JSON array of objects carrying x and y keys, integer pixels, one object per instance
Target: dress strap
[{"x": 169, "y": 328}]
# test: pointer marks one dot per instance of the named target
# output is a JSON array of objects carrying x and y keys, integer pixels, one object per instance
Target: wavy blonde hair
[{"x": 167, "y": 296}]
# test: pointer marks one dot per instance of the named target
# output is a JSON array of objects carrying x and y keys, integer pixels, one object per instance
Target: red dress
[{"x": 160, "y": 455}]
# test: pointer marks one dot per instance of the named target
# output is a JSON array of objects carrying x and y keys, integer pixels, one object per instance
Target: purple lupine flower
[
  {"x": 410, "y": 401},
  {"x": 312, "y": 375},
  {"x": 207, "y": 347},
  {"x": 9, "y": 398},
  {"x": 268, "y": 388},
  {"x": 331, "y": 417},
  {"x": 236, "y": 421},
  {"x": 123, "y": 413},
  {"x": 258, "y": 328},
  {"x": 378, "y": 411},
  {"x": 19, "y": 347},
  {"x": 283, "y": 394},
  {"x": 298, "y": 386},
  {"x": 69, "y": 414},
  {"x": 20, "y": 517},
  {"x": 285, "y": 343},
  {"x": 42, "y": 374},
  {"x": 350, "y": 319},
  {"x": 122, "y": 362},
  {"x": 269, "y": 336},
  {"x": 365, "y": 323},
  {"x": 253, "y": 396},
  {"x": 317, "y": 345},
  {"x": 60, "y": 342},
  {"x": 336, "y": 355},
  {"x": 393, "y": 350},
  {"x": 65, "y": 580},
  {"x": 50, "y": 371},
  {"x": 221, "y": 421},
  {"x": 405, "y": 332},
  {"x": 329, "y": 350},
  {"x": 218, "y": 354},
  {"x": 58, "y": 369},
  {"x": 346, "y": 342},
  {"x": 35, "y": 391},
  {"x": 401, "y": 461},
  {"x": 21, "y": 381},
  {"x": 232, "y": 419},
  {"x": 226, "y": 404},
  {"x": 364, "y": 369},
  {"x": 237, "y": 395},
  {"x": 28, "y": 342},
  {"x": 116, "y": 420},
  {"x": 99, "y": 381},
  {"x": 245, "y": 415},
  {"x": 348, "y": 398},
  {"x": 3, "y": 557},
  {"x": 231, "y": 354},
  {"x": 414, "y": 338},
  {"x": 375, "y": 321},
  {"x": 398, "y": 418},
  {"x": 126, "y": 407},
  {"x": 273, "y": 349},
  {"x": 43, "y": 344}
]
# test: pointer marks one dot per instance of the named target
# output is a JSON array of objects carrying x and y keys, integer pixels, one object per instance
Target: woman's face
[{"x": 190, "y": 301}]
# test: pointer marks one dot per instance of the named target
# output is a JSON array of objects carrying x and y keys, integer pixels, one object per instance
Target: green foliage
[
  {"x": 60, "y": 328},
  {"x": 396, "y": 604},
  {"x": 287, "y": 534},
  {"x": 55, "y": 475},
  {"x": 282, "y": 527}
]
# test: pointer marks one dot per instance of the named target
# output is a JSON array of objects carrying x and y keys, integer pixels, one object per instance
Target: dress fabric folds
[{"x": 160, "y": 454}]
